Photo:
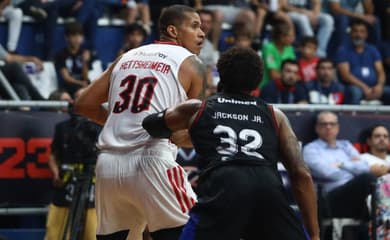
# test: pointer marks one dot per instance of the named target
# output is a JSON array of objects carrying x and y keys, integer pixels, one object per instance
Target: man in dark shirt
[
  {"x": 240, "y": 192},
  {"x": 287, "y": 89},
  {"x": 73, "y": 62}
]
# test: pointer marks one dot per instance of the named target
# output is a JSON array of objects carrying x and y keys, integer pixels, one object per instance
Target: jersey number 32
[{"x": 229, "y": 146}]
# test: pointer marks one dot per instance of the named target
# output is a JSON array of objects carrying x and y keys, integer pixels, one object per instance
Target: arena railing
[{"x": 284, "y": 107}]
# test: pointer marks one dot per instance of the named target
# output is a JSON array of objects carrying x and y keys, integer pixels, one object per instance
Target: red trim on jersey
[
  {"x": 276, "y": 126},
  {"x": 166, "y": 42},
  {"x": 199, "y": 114},
  {"x": 175, "y": 189}
]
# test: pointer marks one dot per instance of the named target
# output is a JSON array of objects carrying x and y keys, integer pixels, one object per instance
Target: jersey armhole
[
  {"x": 198, "y": 114},
  {"x": 274, "y": 122}
]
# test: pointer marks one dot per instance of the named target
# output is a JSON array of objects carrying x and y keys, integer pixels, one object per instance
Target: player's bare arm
[
  {"x": 162, "y": 124},
  {"x": 301, "y": 180},
  {"x": 193, "y": 76},
  {"x": 89, "y": 103}
]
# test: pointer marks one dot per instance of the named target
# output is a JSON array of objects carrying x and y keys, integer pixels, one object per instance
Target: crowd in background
[{"x": 354, "y": 53}]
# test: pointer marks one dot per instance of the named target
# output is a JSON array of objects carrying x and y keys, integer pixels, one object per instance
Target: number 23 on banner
[{"x": 15, "y": 151}]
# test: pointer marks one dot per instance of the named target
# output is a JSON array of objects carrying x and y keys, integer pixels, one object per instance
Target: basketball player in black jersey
[{"x": 241, "y": 195}]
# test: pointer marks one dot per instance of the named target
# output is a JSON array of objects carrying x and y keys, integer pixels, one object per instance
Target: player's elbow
[{"x": 80, "y": 106}]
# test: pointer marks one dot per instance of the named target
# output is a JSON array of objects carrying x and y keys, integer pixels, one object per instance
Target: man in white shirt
[{"x": 378, "y": 143}]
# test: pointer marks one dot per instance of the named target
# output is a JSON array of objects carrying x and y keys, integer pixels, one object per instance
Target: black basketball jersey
[{"x": 233, "y": 128}]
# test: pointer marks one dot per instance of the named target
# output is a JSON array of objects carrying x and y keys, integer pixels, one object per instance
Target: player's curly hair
[
  {"x": 240, "y": 70},
  {"x": 173, "y": 15}
]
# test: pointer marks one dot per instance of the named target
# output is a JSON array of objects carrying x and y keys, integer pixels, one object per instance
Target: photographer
[{"x": 73, "y": 156}]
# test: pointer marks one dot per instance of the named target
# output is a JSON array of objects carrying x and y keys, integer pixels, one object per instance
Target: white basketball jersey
[{"x": 144, "y": 81}]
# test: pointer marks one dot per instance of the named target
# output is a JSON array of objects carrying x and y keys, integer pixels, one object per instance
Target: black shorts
[{"x": 242, "y": 202}]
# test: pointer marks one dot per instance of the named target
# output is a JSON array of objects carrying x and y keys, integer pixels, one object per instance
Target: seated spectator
[
  {"x": 209, "y": 54},
  {"x": 308, "y": 59},
  {"x": 130, "y": 10},
  {"x": 346, "y": 179},
  {"x": 287, "y": 89},
  {"x": 229, "y": 12},
  {"x": 276, "y": 51},
  {"x": 307, "y": 16},
  {"x": 360, "y": 66},
  {"x": 73, "y": 62},
  {"x": 378, "y": 145},
  {"x": 14, "y": 16},
  {"x": 344, "y": 11},
  {"x": 10, "y": 66},
  {"x": 135, "y": 35},
  {"x": 325, "y": 89},
  {"x": 242, "y": 35}
]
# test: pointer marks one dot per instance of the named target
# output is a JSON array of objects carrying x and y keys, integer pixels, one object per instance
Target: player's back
[
  {"x": 235, "y": 128},
  {"x": 144, "y": 81}
]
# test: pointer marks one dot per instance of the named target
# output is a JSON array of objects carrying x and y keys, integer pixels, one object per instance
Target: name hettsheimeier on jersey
[{"x": 235, "y": 116}]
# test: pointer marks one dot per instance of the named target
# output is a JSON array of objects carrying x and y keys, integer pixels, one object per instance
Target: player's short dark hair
[
  {"x": 135, "y": 27},
  {"x": 309, "y": 39},
  {"x": 289, "y": 61},
  {"x": 173, "y": 15},
  {"x": 324, "y": 60},
  {"x": 73, "y": 28},
  {"x": 240, "y": 69}
]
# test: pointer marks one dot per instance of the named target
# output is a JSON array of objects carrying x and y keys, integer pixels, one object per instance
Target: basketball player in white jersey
[{"x": 138, "y": 181}]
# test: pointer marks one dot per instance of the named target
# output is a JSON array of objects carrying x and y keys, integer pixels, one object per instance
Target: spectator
[
  {"x": 360, "y": 66},
  {"x": 308, "y": 59},
  {"x": 311, "y": 19},
  {"x": 132, "y": 9},
  {"x": 227, "y": 11},
  {"x": 337, "y": 165},
  {"x": 14, "y": 17},
  {"x": 277, "y": 50},
  {"x": 325, "y": 89},
  {"x": 344, "y": 11},
  {"x": 242, "y": 35},
  {"x": 378, "y": 145},
  {"x": 287, "y": 89},
  {"x": 208, "y": 54},
  {"x": 10, "y": 66},
  {"x": 267, "y": 11},
  {"x": 73, "y": 62},
  {"x": 135, "y": 35}
]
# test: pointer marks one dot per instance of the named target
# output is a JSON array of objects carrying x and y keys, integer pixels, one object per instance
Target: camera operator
[{"x": 73, "y": 153}]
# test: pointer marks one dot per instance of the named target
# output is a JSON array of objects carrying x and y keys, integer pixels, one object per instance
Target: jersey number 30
[
  {"x": 230, "y": 147},
  {"x": 145, "y": 85}
]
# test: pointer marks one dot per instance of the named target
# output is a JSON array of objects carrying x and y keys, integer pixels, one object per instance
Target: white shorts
[{"x": 139, "y": 188}]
